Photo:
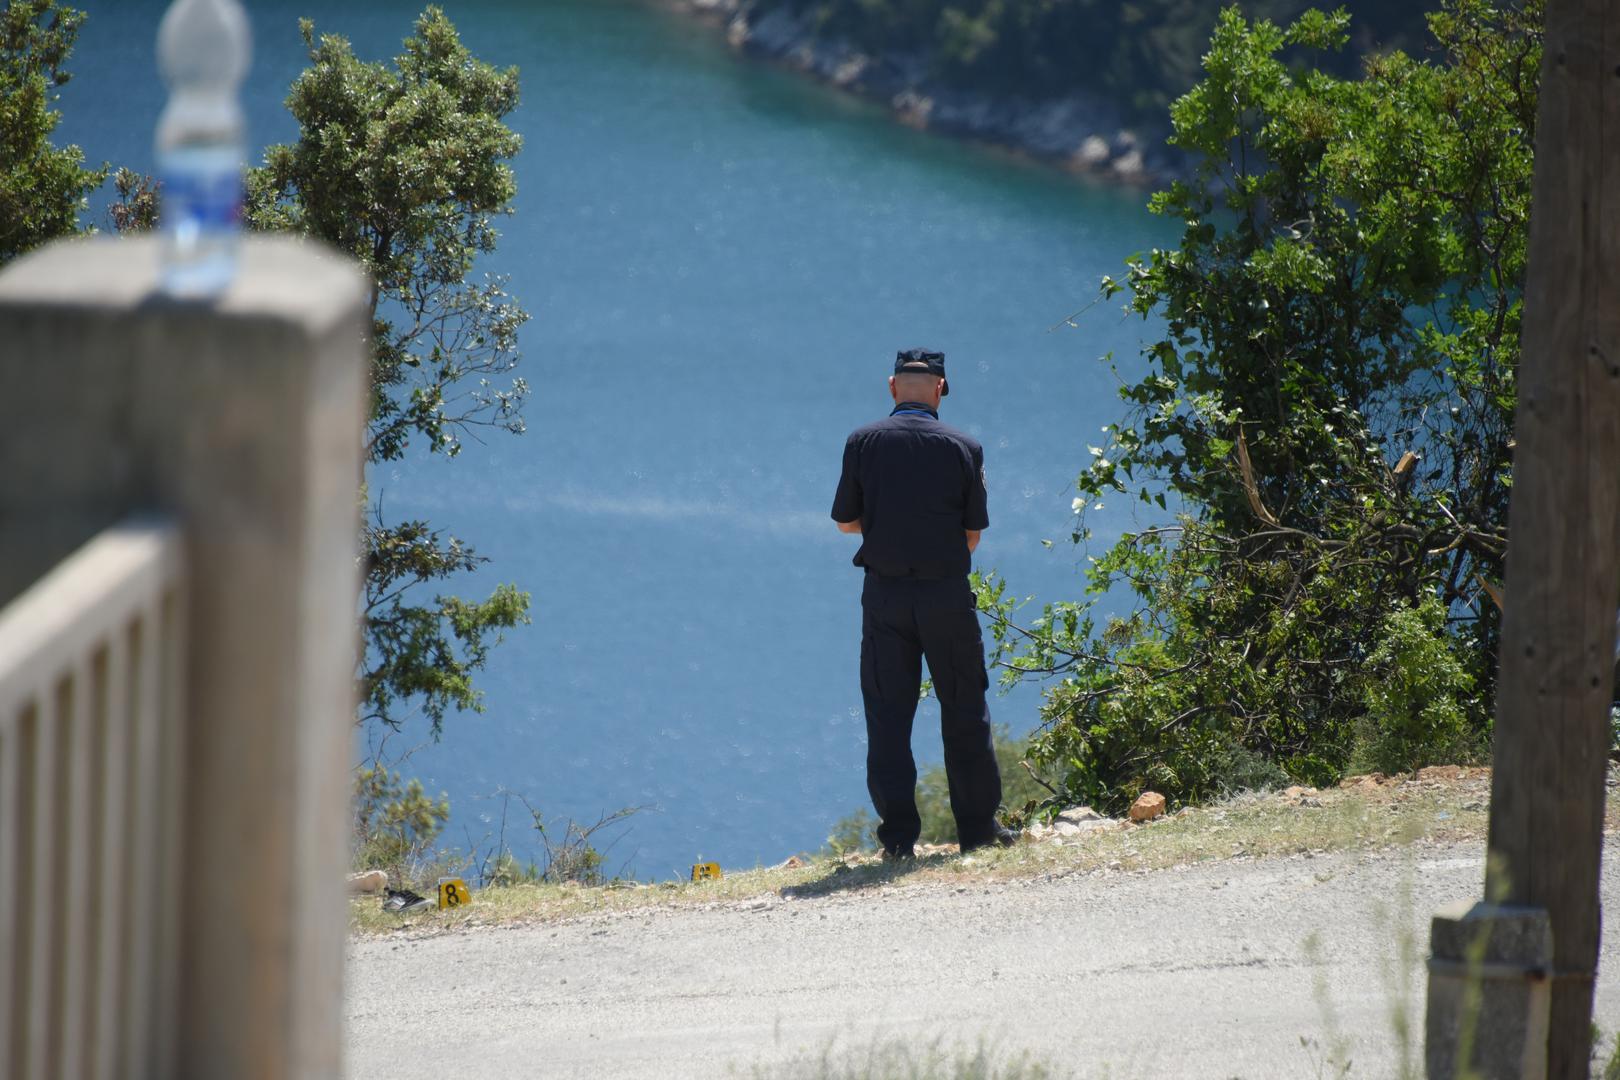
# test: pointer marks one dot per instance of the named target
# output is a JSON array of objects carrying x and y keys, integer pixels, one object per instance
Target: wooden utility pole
[{"x": 1563, "y": 564}]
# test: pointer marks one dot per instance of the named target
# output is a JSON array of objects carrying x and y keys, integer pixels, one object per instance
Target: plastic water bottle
[{"x": 203, "y": 49}]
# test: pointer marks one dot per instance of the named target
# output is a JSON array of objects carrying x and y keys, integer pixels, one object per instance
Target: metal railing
[{"x": 91, "y": 689}]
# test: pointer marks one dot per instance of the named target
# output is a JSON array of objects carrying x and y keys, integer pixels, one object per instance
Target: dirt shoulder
[
  {"x": 1443, "y": 805},
  {"x": 1269, "y": 937}
]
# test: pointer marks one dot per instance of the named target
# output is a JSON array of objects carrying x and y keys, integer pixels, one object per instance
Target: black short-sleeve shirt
[{"x": 915, "y": 485}]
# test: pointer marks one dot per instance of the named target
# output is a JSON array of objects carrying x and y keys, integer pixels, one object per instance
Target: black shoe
[
  {"x": 401, "y": 901},
  {"x": 898, "y": 854},
  {"x": 1000, "y": 836}
]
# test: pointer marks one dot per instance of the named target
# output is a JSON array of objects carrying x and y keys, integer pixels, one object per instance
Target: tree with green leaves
[
  {"x": 43, "y": 188},
  {"x": 405, "y": 167},
  {"x": 1326, "y": 409}
]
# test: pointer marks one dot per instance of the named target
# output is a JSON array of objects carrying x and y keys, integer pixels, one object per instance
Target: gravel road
[{"x": 1216, "y": 970}]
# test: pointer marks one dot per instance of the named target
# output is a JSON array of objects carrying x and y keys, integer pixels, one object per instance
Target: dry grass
[
  {"x": 895, "y": 1059},
  {"x": 1442, "y": 805}
]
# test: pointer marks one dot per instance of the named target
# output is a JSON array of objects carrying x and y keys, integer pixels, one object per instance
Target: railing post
[
  {"x": 243, "y": 419},
  {"x": 1489, "y": 992}
]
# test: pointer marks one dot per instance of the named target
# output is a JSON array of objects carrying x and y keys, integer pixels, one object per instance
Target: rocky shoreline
[{"x": 1079, "y": 133}]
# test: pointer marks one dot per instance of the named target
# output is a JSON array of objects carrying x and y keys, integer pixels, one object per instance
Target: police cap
[{"x": 921, "y": 362}]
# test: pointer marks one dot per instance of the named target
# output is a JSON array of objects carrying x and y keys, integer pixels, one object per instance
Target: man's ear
[{"x": 892, "y": 391}]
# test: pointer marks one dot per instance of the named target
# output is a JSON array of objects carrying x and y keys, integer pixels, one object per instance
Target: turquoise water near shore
[{"x": 721, "y": 260}]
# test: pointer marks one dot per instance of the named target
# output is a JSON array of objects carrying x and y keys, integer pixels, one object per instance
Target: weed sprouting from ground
[
  {"x": 1398, "y": 973},
  {"x": 896, "y": 1059},
  {"x": 1609, "y": 1070},
  {"x": 1329, "y": 1054},
  {"x": 1325, "y": 1062}
]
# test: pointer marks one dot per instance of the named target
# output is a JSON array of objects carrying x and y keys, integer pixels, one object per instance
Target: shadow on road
[{"x": 845, "y": 878}]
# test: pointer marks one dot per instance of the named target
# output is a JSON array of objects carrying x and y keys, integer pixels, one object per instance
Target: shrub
[
  {"x": 1322, "y": 412},
  {"x": 395, "y": 823},
  {"x": 1417, "y": 695}
]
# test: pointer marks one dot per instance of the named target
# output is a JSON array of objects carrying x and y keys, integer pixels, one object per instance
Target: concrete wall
[{"x": 243, "y": 419}]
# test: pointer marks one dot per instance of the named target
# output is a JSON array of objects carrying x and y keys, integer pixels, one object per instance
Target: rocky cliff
[{"x": 1080, "y": 133}]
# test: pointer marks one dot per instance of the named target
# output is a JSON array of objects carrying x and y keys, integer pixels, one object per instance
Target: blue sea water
[{"x": 720, "y": 259}]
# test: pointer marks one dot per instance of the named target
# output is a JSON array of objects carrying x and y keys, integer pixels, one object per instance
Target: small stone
[
  {"x": 1079, "y": 815},
  {"x": 850, "y": 70},
  {"x": 793, "y": 862},
  {"x": 913, "y": 109},
  {"x": 1128, "y": 165},
  {"x": 1092, "y": 152},
  {"x": 1148, "y": 805}
]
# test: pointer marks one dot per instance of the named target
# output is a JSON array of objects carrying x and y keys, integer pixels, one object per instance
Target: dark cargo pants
[{"x": 904, "y": 620}]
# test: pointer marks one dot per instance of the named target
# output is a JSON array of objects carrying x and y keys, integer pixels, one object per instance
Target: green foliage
[
  {"x": 1236, "y": 768},
  {"x": 405, "y": 168},
  {"x": 569, "y": 850},
  {"x": 395, "y": 822},
  {"x": 506, "y": 869},
  {"x": 570, "y": 855},
  {"x": 1019, "y": 790},
  {"x": 1020, "y": 793},
  {"x": 426, "y": 653},
  {"x": 1611, "y": 1068},
  {"x": 135, "y": 204},
  {"x": 853, "y": 832},
  {"x": 43, "y": 188},
  {"x": 1140, "y": 54},
  {"x": 1329, "y": 403},
  {"x": 899, "y": 1060},
  {"x": 1417, "y": 694}
]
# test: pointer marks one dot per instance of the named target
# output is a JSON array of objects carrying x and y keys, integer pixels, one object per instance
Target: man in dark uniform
[{"x": 914, "y": 489}]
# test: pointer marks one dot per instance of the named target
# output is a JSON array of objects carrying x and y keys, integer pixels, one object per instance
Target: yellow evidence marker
[
  {"x": 453, "y": 892},
  {"x": 706, "y": 871}
]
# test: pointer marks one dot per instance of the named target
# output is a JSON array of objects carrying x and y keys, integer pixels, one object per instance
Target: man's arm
[
  {"x": 976, "y": 511},
  {"x": 855, "y": 527},
  {"x": 849, "y": 502}
]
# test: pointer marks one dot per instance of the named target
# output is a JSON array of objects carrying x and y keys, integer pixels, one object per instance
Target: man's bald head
[{"x": 921, "y": 387}]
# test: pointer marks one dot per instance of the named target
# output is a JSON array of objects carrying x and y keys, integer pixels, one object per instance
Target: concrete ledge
[
  {"x": 280, "y": 277},
  {"x": 243, "y": 420}
]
